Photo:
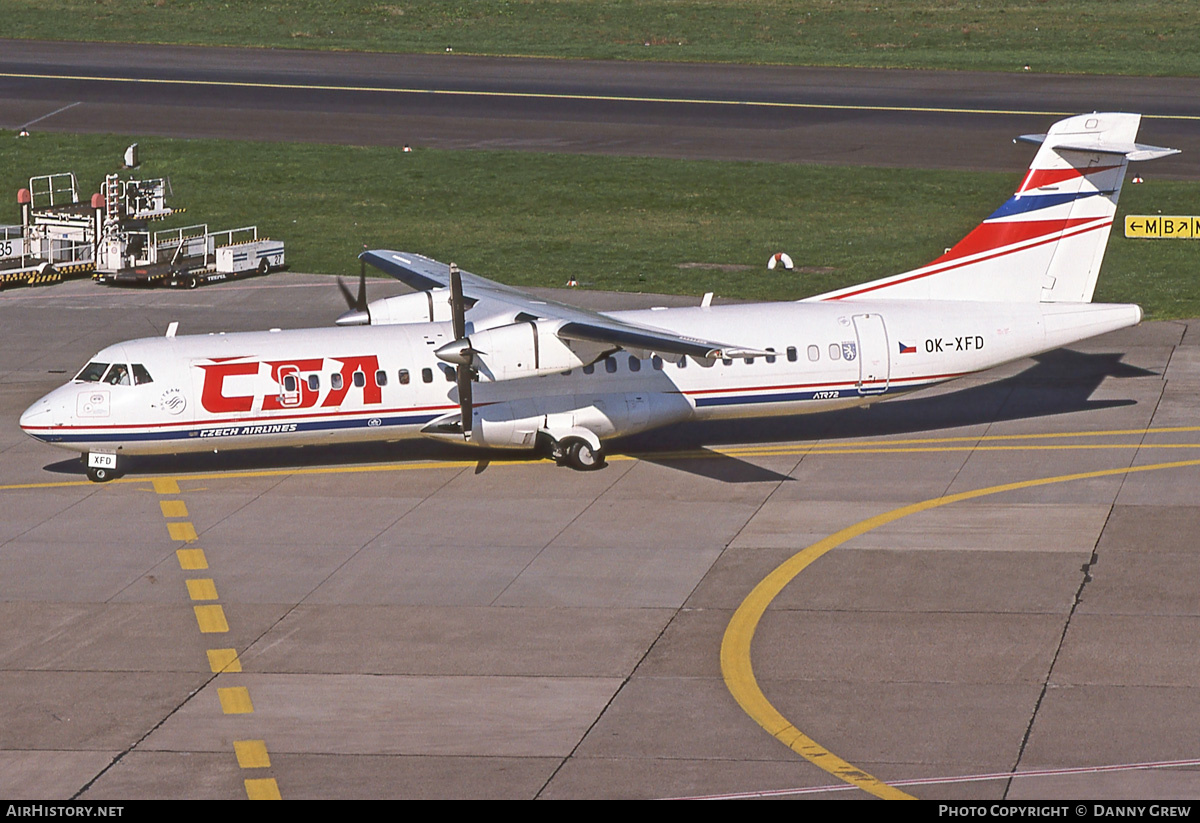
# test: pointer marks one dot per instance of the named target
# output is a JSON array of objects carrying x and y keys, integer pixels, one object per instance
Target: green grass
[
  {"x": 609, "y": 222},
  {"x": 1144, "y": 37}
]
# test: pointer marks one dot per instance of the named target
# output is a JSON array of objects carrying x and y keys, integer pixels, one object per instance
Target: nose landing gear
[{"x": 100, "y": 467}]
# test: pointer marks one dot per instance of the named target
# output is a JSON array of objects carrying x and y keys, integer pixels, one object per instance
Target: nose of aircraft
[{"x": 46, "y": 412}]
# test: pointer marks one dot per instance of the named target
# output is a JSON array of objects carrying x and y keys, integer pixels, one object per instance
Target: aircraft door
[
  {"x": 874, "y": 361},
  {"x": 289, "y": 387}
]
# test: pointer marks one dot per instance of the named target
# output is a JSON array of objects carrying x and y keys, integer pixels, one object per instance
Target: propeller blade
[
  {"x": 465, "y": 378},
  {"x": 463, "y": 355},
  {"x": 358, "y": 314},
  {"x": 361, "y": 302},
  {"x": 349, "y": 298},
  {"x": 458, "y": 311}
]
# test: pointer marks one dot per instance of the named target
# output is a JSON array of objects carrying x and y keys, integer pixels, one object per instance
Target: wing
[{"x": 423, "y": 273}]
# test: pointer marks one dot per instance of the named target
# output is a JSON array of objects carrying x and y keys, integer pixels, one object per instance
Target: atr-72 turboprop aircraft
[{"x": 472, "y": 360}]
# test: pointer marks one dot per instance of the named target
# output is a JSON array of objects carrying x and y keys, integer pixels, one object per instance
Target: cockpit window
[
  {"x": 140, "y": 375},
  {"x": 118, "y": 375},
  {"x": 92, "y": 372}
]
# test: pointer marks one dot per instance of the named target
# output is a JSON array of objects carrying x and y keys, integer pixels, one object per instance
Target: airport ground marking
[
  {"x": 235, "y": 700},
  {"x": 224, "y": 660},
  {"x": 953, "y": 779},
  {"x": 252, "y": 754},
  {"x": 210, "y": 618},
  {"x": 202, "y": 588},
  {"x": 173, "y": 508},
  {"x": 737, "y": 668},
  {"x": 191, "y": 559},
  {"x": 776, "y": 450},
  {"x": 263, "y": 788},
  {"x": 517, "y": 95}
]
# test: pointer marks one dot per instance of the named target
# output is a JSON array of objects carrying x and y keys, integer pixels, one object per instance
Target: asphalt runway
[
  {"x": 390, "y": 622},
  {"x": 772, "y": 113}
]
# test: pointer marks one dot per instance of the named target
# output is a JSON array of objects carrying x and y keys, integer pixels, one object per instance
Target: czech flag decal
[{"x": 907, "y": 349}]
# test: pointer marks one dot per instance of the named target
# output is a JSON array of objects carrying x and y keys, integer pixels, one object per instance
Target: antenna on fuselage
[{"x": 172, "y": 327}]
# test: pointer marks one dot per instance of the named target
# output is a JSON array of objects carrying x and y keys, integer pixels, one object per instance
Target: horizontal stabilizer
[{"x": 1132, "y": 151}]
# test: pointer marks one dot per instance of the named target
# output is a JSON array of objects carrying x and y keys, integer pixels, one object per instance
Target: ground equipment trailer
[
  {"x": 109, "y": 239},
  {"x": 188, "y": 257},
  {"x": 55, "y": 239}
]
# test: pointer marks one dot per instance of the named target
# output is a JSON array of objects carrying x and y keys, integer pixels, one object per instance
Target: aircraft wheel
[
  {"x": 582, "y": 457},
  {"x": 193, "y": 282},
  {"x": 99, "y": 475}
]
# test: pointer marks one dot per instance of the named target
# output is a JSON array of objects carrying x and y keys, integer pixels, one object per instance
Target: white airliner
[{"x": 472, "y": 360}]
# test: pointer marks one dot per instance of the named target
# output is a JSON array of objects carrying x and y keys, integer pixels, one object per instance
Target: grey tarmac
[
  {"x": 408, "y": 626},
  {"x": 789, "y": 114}
]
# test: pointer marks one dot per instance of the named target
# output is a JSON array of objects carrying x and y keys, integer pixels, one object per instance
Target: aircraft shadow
[{"x": 1060, "y": 382}]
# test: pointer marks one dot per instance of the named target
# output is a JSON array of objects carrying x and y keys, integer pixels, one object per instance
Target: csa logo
[
  {"x": 173, "y": 401},
  {"x": 849, "y": 350}
]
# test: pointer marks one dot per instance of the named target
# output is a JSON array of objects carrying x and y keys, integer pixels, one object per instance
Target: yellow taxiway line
[
  {"x": 928, "y": 444},
  {"x": 738, "y": 671},
  {"x": 606, "y": 98}
]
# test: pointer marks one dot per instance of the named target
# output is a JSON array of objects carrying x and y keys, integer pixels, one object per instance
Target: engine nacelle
[
  {"x": 431, "y": 306},
  {"x": 524, "y": 350},
  {"x": 516, "y": 424}
]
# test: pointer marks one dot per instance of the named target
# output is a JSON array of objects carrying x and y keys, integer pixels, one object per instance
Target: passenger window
[
  {"x": 140, "y": 375},
  {"x": 381, "y": 378},
  {"x": 427, "y": 375},
  {"x": 289, "y": 383},
  {"x": 359, "y": 378},
  {"x": 770, "y": 357},
  {"x": 590, "y": 368},
  {"x": 634, "y": 364},
  {"x": 682, "y": 363},
  {"x": 656, "y": 362},
  {"x": 404, "y": 377},
  {"x": 728, "y": 361},
  {"x": 118, "y": 375},
  {"x": 451, "y": 375},
  {"x": 814, "y": 353},
  {"x": 749, "y": 361},
  {"x": 835, "y": 351},
  {"x": 335, "y": 381},
  {"x": 791, "y": 354},
  {"x": 610, "y": 365},
  {"x": 314, "y": 382}
]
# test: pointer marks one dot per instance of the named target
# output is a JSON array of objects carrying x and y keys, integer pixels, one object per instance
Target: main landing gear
[{"x": 577, "y": 453}]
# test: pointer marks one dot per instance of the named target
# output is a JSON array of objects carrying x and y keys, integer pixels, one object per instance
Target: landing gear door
[
  {"x": 874, "y": 363},
  {"x": 289, "y": 387}
]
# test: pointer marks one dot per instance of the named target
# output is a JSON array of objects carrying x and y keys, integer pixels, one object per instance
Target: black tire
[
  {"x": 193, "y": 282},
  {"x": 99, "y": 475},
  {"x": 582, "y": 457},
  {"x": 264, "y": 266}
]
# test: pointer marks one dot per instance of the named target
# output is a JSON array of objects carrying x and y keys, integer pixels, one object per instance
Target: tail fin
[{"x": 1045, "y": 244}]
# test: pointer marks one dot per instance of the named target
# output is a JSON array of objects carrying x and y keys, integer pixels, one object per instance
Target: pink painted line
[{"x": 969, "y": 778}]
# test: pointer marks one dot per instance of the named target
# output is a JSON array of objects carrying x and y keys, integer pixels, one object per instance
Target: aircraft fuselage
[{"x": 333, "y": 385}]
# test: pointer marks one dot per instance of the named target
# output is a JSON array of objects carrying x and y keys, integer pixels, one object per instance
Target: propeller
[
  {"x": 358, "y": 314},
  {"x": 465, "y": 370}
]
